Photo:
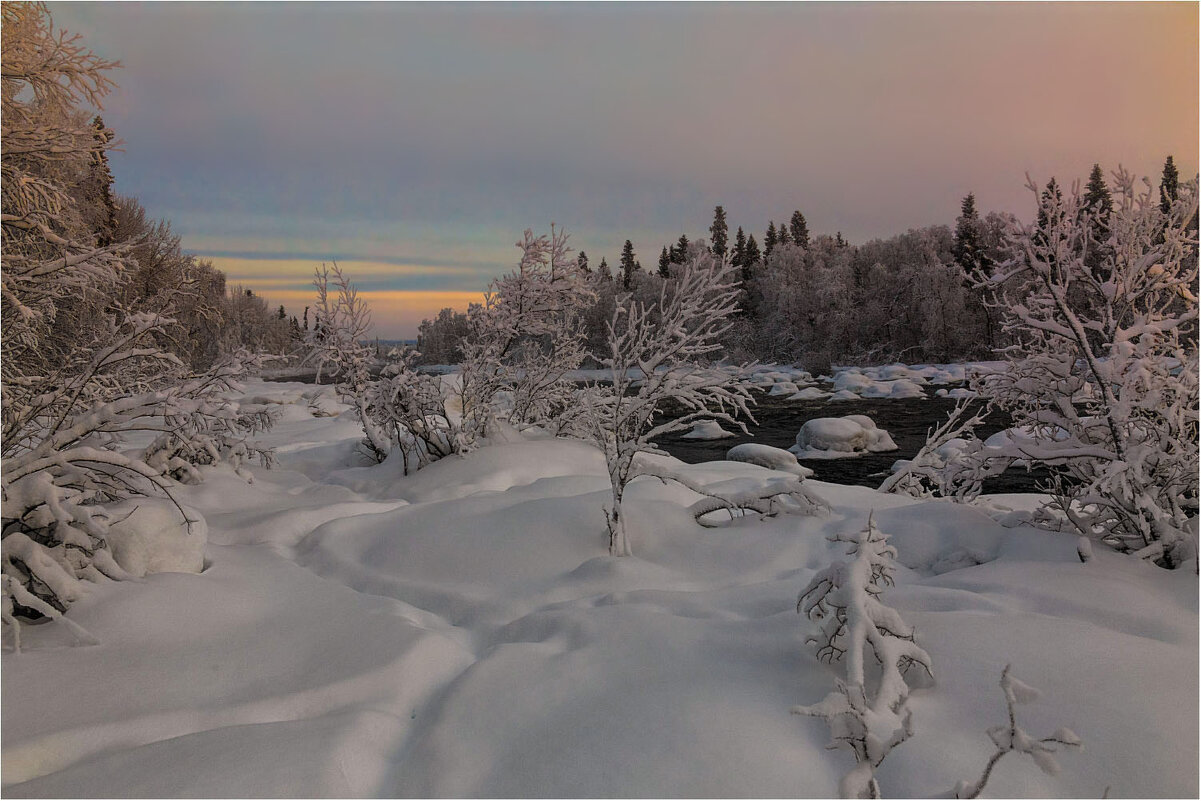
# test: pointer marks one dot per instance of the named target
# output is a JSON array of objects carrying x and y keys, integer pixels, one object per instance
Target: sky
[{"x": 413, "y": 143}]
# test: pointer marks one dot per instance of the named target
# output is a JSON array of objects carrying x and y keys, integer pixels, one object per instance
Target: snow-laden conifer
[{"x": 868, "y": 718}]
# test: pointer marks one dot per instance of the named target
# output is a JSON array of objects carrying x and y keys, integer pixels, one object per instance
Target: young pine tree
[
  {"x": 664, "y": 263},
  {"x": 769, "y": 241}
]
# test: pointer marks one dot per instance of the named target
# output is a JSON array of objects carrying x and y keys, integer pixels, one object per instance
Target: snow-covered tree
[
  {"x": 81, "y": 365},
  {"x": 1104, "y": 388},
  {"x": 1010, "y": 737},
  {"x": 528, "y": 334},
  {"x": 338, "y": 347},
  {"x": 844, "y": 598},
  {"x": 653, "y": 354}
]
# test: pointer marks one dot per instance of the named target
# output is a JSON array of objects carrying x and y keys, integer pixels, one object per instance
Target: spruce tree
[
  {"x": 603, "y": 272},
  {"x": 97, "y": 188},
  {"x": 718, "y": 232},
  {"x": 682, "y": 250},
  {"x": 627, "y": 264},
  {"x": 1096, "y": 195},
  {"x": 582, "y": 262},
  {"x": 306, "y": 318},
  {"x": 782, "y": 237},
  {"x": 966, "y": 249},
  {"x": 739, "y": 255},
  {"x": 839, "y": 241},
  {"x": 665, "y": 263},
  {"x": 769, "y": 241},
  {"x": 1169, "y": 186},
  {"x": 800, "y": 229},
  {"x": 283, "y": 315},
  {"x": 1052, "y": 199},
  {"x": 752, "y": 253}
]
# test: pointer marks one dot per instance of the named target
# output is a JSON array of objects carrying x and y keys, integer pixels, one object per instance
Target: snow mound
[
  {"x": 149, "y": 535},
  {"x": 769, "y": 457},
  {"x": 809, "y": 393},
  {"x": 839, "y": 437},
  {"x": 844, "y": 395},
  {"x": 784, "y": 388},
  {"x": 958, "y": 392},
  {"x": 707, "y": 429}
]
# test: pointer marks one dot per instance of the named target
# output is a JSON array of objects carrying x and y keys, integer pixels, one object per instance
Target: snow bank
[
  {"x": 477, "y": 641},
  {"x": 707, "y": 429},
  {"x": 769, "y": 457},
  {"x": 840, "y": 437},
  {"x": 150, "y": 535}
]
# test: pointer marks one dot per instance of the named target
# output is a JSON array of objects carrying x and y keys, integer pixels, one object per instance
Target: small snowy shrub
[
  {"x": 1010, "y": 737},
  {"x": 1105, "y": 382},
  {"x": 653, "y": 355},
  {"x": 844, "y": 598},
  {"x": 930, "y": 469}
]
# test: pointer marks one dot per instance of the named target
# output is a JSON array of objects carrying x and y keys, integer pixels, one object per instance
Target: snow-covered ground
[{"x": 462, "y": 632}]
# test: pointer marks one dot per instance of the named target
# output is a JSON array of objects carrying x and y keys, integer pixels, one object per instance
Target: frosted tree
[
  {"x": 338, "y": 348},
  {"x": 81, "y": 367},
  {"x": 1011, "y": 738},
  {"x": 653, "y": 355},
  {"x": 409, "y": 408},
  {"x": 525, "y": 338},
  {"x": 869, "y": 721},
  {"x": 1104, "y": 388}
]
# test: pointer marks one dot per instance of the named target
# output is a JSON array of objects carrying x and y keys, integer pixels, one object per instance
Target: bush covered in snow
[{"x": 1106, "y": 379}]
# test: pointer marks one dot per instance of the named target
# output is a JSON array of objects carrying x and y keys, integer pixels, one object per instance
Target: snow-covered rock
[
  {"x": 843, "y": 395},
  {"x": 836, "y": 437},
  {"x": 769, "y": 457},
  {"x": 783, "y": 388},
  {"x": 707, "y": 429},
  {"x": 149, "y": 535},
  {"x": 809, "y": 393}
]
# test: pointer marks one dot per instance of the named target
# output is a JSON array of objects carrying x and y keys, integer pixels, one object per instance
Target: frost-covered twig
[{"x": 1011, "y": 737}]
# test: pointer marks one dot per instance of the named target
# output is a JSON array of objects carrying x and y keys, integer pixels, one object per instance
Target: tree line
[{"x": 818, "y": 299}]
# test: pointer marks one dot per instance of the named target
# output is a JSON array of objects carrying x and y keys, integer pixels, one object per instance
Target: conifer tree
[
  {"x": 1049, "y": 207},
  {"x": 1168, "y": 186},
  {"x": 782, "y": 237},
  {"x": 739, "y": 255},
  {"x": 966, "y": 249},
  {"x": 800, "y": 229},
  {"x": 753, "y": 256},
  {"x": 1096, "y": 195},
  {"x": 627, "y": 264},
  {"x": 306, "y": 318},
  {"x": 839, "y": 241},
  {"x": 681, "y": 249},
  {"x": 665, "y": 263},
  {"x": 283, "y": 315},
  {"x": 603, "y": 271},
  {"x": 718, "y": 233},
  {"x": 98, "y": 189},
  {"x": 769, "y": 241},
  {"x": 582, "y": 261}
]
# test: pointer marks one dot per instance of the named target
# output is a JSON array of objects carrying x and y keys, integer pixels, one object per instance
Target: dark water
[{"x": 907, "y": 420}]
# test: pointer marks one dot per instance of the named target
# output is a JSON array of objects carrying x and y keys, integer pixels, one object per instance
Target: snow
[
  {"x": 462, "y": 632},
  {"x": 150, "y": 535},
  {"x": 769, "y": 457},
  {"x": 707, "y": 429},
  {"x": 841, "y": 437}
]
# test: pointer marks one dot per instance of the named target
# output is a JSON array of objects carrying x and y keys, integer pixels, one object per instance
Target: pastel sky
[{"x": 414, "y": 142}]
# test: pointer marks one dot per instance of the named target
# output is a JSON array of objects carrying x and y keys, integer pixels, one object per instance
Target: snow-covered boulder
[
  {"x": 853, "y": 381},
  {"x": 707, "y": 429},
  {"x": 906, "y": 388},
  {"x": 784, "y": 388},
  {"x": 769, "y": 457},
  {"x": 834, "y": 437},
  {"x": 958, "y": 392},
  {"x": 844, "y": 395},
  {"x": 149, "y": 535},
  {"x": 809, "y": 393}
]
